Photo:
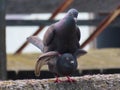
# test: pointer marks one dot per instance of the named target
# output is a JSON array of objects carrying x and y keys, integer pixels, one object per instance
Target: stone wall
[{"x": 95, "y": 82}]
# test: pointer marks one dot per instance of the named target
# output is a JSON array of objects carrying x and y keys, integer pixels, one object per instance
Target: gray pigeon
[
  {"x": 63, "y": 36},
  {"x": 60, "y": 46}
]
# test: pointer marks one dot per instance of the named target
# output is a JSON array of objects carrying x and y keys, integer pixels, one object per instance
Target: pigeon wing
[
  {"x": 49, "y": 35},
  {"x": 78, "y": 33},
  {"x": 44, "y": 59},
  {"x": 80, "y": 52}
]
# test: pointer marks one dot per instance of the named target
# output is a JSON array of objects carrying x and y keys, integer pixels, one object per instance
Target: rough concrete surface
[{"x": 87, "y": 82}]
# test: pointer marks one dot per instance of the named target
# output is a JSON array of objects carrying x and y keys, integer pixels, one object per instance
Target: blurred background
[{"x": 99, "y": 23}]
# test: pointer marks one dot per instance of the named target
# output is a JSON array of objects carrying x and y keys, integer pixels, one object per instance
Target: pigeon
[
  {"x": 62, "y": 65},
  {"x": 64, "y": 35},
  {"x": 60, "y": 46}
]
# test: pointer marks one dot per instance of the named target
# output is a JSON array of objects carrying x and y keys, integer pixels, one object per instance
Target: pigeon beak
[
  {"x": 75, "y": 19},
  {"x": 72, "y": 62}
]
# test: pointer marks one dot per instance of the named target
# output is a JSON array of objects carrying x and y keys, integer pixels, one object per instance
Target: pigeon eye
[{"x": 71, "y": 61}]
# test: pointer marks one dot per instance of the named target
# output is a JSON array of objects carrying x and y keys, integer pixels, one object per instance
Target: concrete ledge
[{"x": 88, "y": 82}]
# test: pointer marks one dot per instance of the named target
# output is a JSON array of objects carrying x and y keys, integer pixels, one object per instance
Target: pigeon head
[
  {"x": 66, "y": 64},
  {"x": 73, "y": 13}
]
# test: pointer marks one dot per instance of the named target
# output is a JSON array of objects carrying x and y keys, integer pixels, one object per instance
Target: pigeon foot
[
  {"x": 70, "y": 80},
  {"x": 57, "y": 80}
]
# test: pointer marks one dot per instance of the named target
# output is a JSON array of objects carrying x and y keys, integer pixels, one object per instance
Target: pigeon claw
[
  {"x": 70, "y": 80},
  {"x": 57, "y": 80}
]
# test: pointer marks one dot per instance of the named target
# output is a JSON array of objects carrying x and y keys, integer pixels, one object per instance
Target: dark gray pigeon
[
  {"x": 64, "y": 35},
  {"x": 60, "y": 46}
]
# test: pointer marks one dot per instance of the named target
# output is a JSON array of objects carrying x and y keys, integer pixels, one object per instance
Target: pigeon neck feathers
[
  {"x": 66, "y": 19},
  {"x": 68, "y": 22}
]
